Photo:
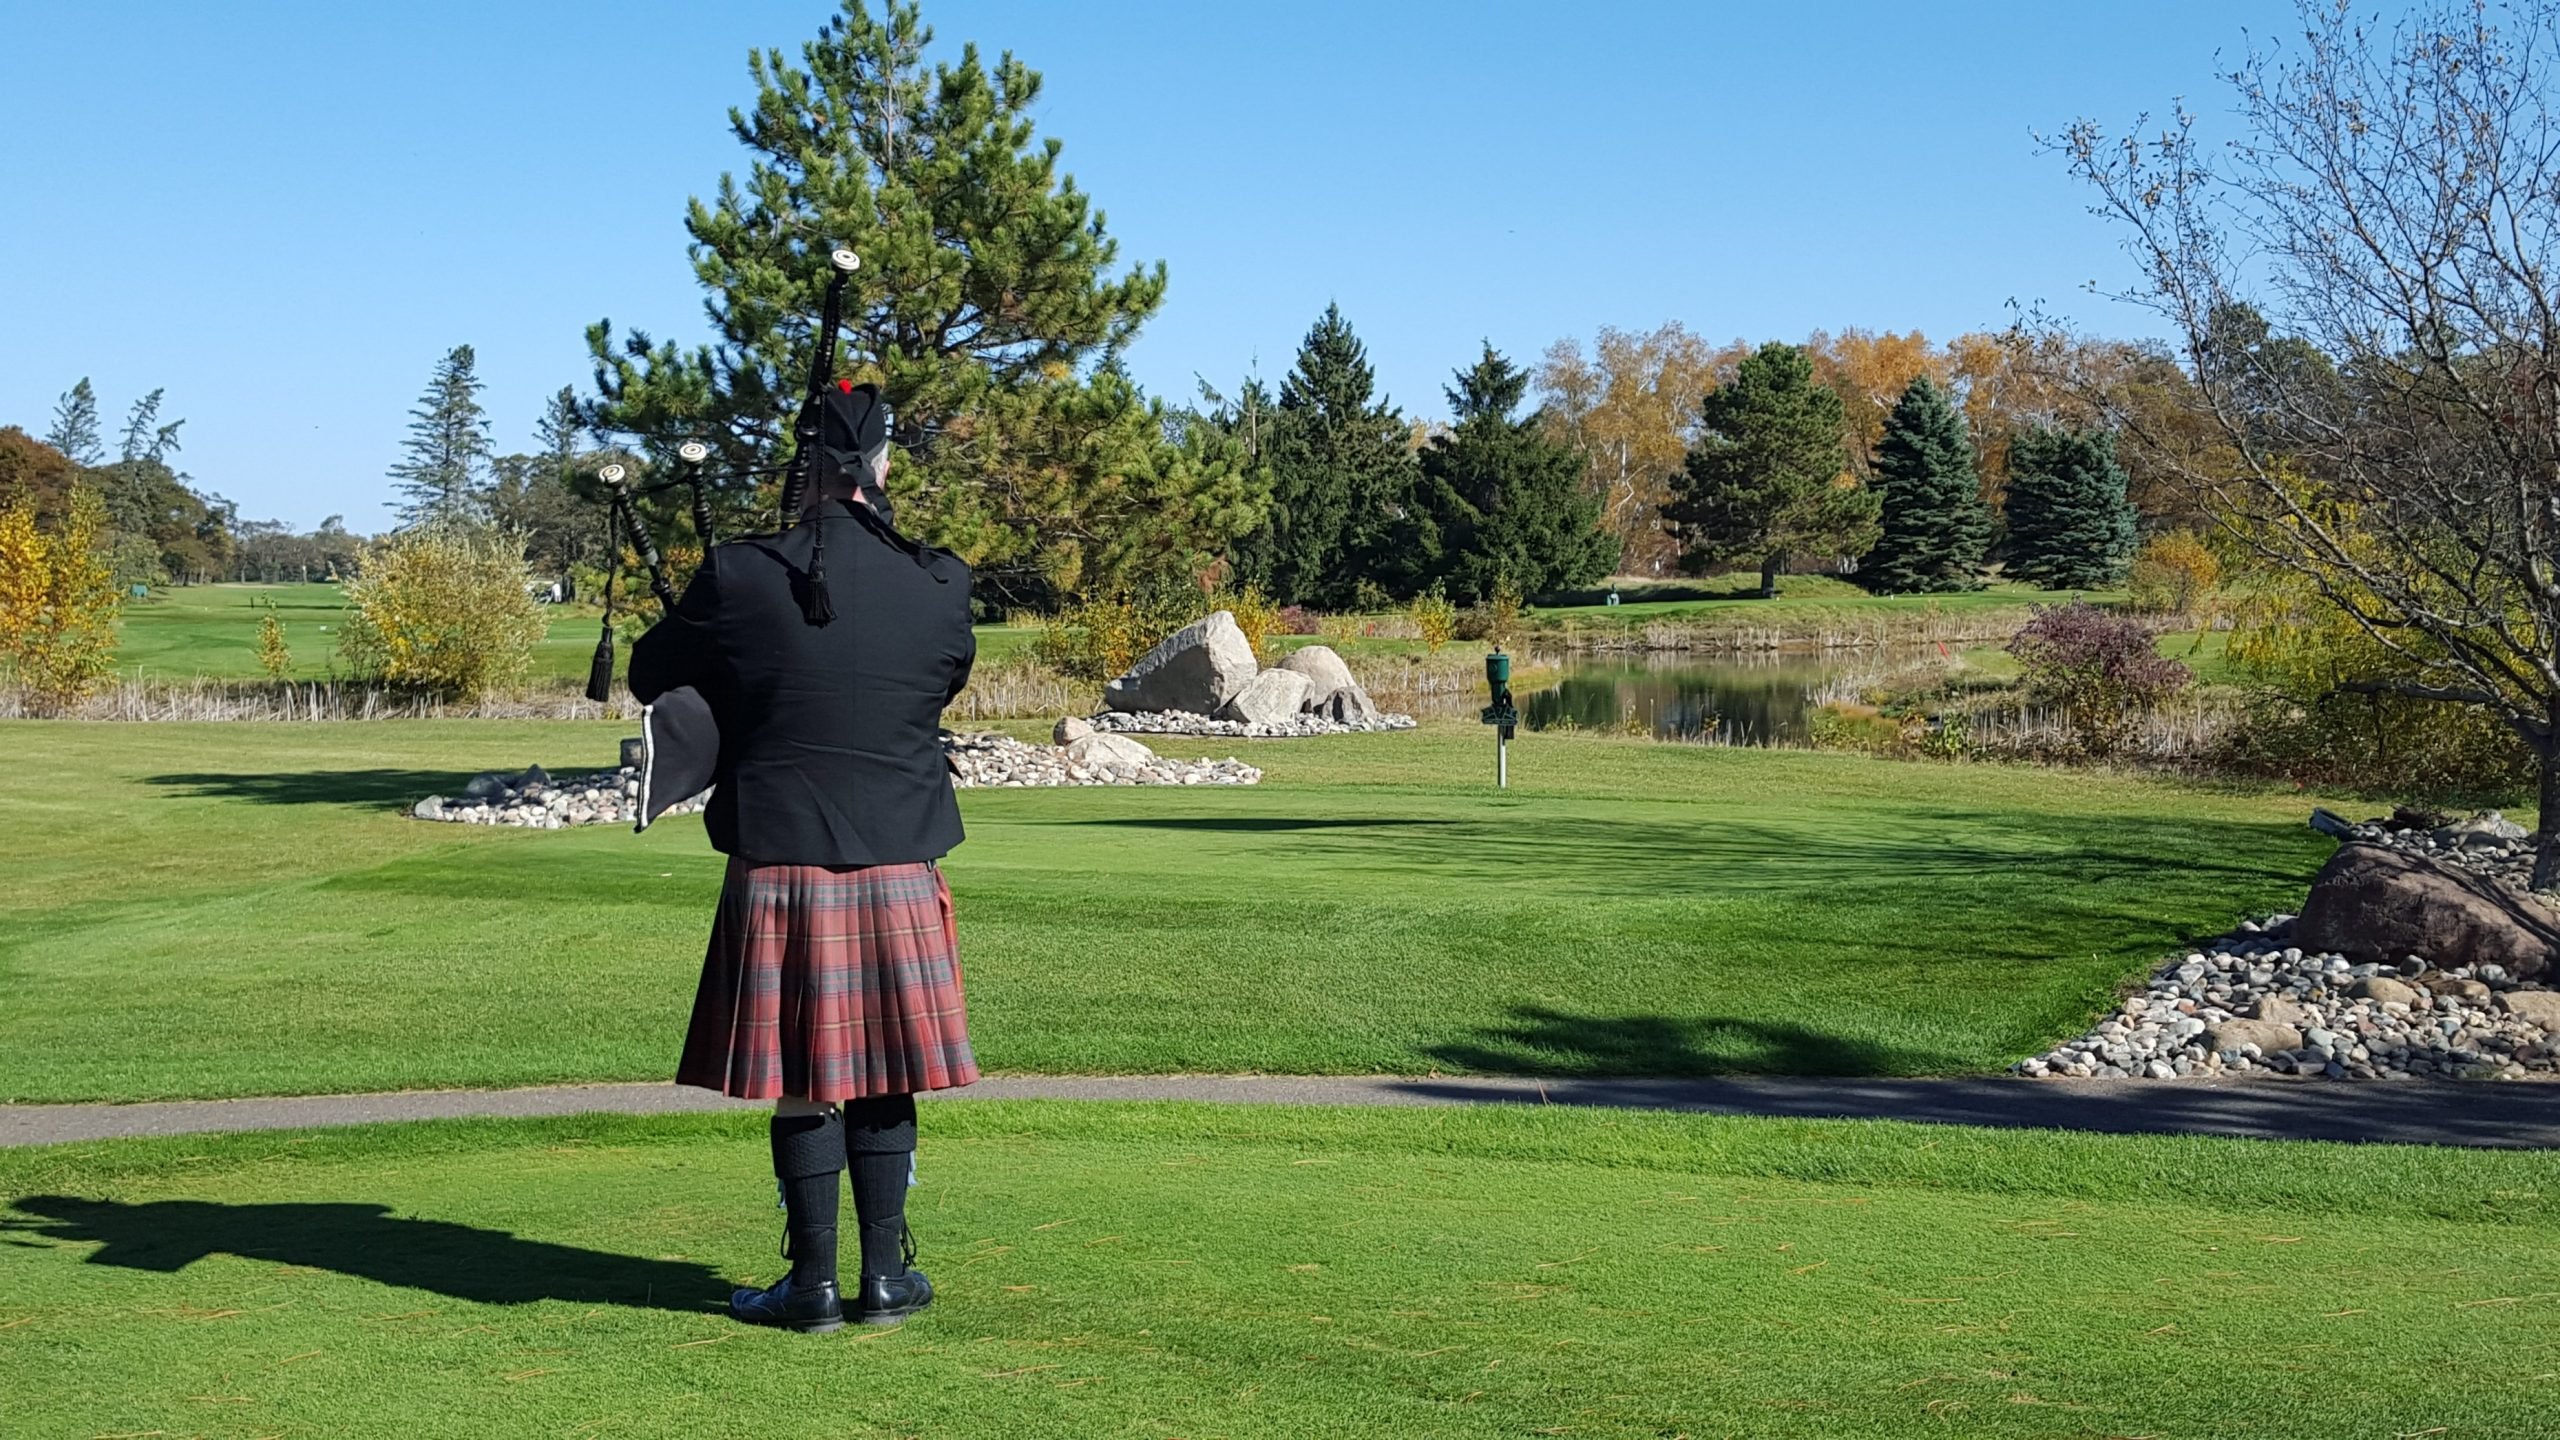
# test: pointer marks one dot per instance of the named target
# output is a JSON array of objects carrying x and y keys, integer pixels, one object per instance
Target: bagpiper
[{"x": 826, "y": 655}]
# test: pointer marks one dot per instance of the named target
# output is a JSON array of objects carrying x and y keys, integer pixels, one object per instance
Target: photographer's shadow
[{"x": 367, "y": 1241}]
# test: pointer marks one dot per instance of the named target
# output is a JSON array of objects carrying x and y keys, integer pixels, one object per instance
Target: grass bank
[
  {"x": 1176, "y": 1270},
  {"x": 1811, "y": 612},
  {"x": 207, "y": 910}
]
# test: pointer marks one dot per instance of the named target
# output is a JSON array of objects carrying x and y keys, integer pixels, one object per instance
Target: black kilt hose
[{"x": 833, "y": 971}]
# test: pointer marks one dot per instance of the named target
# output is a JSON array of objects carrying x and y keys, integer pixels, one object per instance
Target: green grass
[
  {"x": 1194, "y": 1271},
  {"x": 1738, "y": 596},
  {"x": 240, "y": 909}
]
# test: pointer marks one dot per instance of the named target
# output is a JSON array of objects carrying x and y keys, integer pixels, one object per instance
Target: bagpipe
[{"x": 679, "y": 739}]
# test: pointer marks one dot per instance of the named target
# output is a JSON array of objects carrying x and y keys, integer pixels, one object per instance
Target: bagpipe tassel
[
  {"x": 600, "y": 669},
  {"x": 815, "y": 605}
]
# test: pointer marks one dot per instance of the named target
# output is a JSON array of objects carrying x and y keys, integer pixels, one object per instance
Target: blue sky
[{"x": 284, "y": 213}]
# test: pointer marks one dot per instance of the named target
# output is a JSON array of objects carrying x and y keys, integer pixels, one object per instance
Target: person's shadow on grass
[{"x": 367, "y": 1241}]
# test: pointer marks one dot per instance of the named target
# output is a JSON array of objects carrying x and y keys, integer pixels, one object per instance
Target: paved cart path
[{"x": 2515, "y": 1115}]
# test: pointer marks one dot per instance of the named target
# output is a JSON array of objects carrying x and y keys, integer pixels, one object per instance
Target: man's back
[{"x": 830, "y": 750}]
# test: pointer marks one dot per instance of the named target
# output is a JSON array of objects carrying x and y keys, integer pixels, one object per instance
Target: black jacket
[{"x": 830, "y": 735}]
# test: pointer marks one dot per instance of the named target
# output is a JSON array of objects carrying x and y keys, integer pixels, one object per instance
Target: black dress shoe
[
  {"x": 888, "y": 1299},
  {"x": 813, "y": 1310}
]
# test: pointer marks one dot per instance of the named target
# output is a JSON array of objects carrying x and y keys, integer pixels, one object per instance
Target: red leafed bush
[{"x": 2103, "y": 670}]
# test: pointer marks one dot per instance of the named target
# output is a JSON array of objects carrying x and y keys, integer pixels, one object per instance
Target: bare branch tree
[{"x": 2362, "y": 287}]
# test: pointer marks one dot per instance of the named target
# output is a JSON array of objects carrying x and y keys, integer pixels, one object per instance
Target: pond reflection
[{"x": 1760, "y": 699}]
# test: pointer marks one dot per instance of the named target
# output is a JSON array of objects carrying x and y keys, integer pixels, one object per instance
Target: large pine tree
[
  {"x": 1343, "y": 507},
  {"x": 2070, "y": 525},
  {"x": 1505, "y": 498},
  {"x": 75, "y": 425},
  {"x": 1935, "y": 524},
  {"x": 987, "y": 308},
  {"x": 442, "y": 474},
  {"x": 1767, "y": 478}
]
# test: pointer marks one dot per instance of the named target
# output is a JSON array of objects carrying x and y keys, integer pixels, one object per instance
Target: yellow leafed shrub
[
  {"x": 58, "y": 603},
  {"x": 443, "y": 608}
]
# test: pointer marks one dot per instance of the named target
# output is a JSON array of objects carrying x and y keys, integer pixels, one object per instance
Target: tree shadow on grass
[
  {"x": 1542, "y": 1041},
  {"x": 318, "y": 787},
  {"x": 465, "y": 1262}
]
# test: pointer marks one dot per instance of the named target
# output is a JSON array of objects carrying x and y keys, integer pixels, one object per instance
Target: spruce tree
[
  {"x": 2070, "y": 525},
  {"x": 1767, "y": 476},
  {"x": 1935, "y": 525},
  {"x": 442, "y": 472},
  {"x": 1343, "y": 506},
  {"x": 989, "y": 300},
  {"x": 75, "y": 426},
  {"x": 1506, "y": 499}
]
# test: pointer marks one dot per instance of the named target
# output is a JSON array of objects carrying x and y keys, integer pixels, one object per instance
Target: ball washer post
[{"x": 1501, "y": 714}]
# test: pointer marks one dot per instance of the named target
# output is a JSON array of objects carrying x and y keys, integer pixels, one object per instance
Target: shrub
[
  {"x": 1299, "y": 620},
  {"x": 1434, "y": 617},
  {"x": 2103, "y": 670},
  {"x": 273, "y": 655},
  {"x": 443, "y": 608},
  {"x": 1100, "y": 638},
  {"x": 2174, "y": 574},
  {"x": 1254, "y": 614},
  {"x": 58, "y": 602}
]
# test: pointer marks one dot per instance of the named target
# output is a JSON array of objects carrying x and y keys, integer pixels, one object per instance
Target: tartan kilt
[{"x": 832, "y": 983}]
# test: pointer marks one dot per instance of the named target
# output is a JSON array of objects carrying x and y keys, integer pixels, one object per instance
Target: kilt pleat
[{"x": 830, "y": 983}]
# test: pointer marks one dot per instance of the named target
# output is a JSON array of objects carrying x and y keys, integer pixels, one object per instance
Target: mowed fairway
[
  {"x": 241, "y": 909},
  {"x": 1158, "y": 1271}
]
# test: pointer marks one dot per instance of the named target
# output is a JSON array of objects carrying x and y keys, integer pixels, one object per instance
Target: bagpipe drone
[{"x": 840, "y": 426}]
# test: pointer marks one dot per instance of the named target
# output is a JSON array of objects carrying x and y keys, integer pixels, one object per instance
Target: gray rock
[
  {"x": 1071, "y": 729},
  {"x": 431, "y": 808},
  {"x": 1352, "y": 706},
  {"x": 631, "y": 752},
  {"x": 2330, "y": 824},
  {"x": 486, "y": 787},
  {"x": 533, "y": 775},
  {"x": 2268, "y": 1035},
  {"x": 1109, "y": 752},
  {"x": 2374, "y": 902},
  {"x": 1324, "y": 670},
  {"x": 1273, "y": 697},
  {"x": 1196, "y": 669},
  {"x": 2538, "y": 1008}
]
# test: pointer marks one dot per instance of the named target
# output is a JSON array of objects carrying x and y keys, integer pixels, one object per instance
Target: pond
[{"x": 1761, "y": 698}]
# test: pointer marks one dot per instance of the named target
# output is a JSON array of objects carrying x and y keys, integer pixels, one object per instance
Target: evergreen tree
[
  {"x": 1343, "y": 506},
  {"x": 1506, "y": 500},
  {"x": 986, "y": 308},
  {"x": 542, "y": 495},
  {"x": 1767, "y": 476},
  {"x": 2070, "y": 526},
  {"x": 75, "y": 426},
  {"x": 146, "y": 440},
  {"x": 447, "y": 454},
  {"x": 1935, "y": 524}
]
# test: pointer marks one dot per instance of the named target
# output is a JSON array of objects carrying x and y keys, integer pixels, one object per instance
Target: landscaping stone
[
  {"x": 2255, "y": 1001},
  {"x": 2377, "y": 901},
  {"x": 1273, "y": 697},
  {"x": 1325, "y": 671},
  {"x": 1109, "y": 752},
  {"x": 1351, "y": 705},
  {"x": 1070, "y": 730},
  {"x": 1175, "y": 722},
  {"x": 1195, "y": 669}
]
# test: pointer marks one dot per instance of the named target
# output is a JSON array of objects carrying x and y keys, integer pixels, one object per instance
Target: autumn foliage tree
[
  {"x": 58, "y": 602},
  {"x": 445, "y": 608}
]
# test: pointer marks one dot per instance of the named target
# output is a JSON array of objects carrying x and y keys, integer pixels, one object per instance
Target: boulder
[
  {"x": 2455, "y": 987},
  {"x": 1071, "y": 729},
  {"x": 1324, "y": 670},
  {"x": 1270, "y": 698},
  {"x": 1352, "y": 705},
  {"x": 2371, "y": 902},
  {"x": 632, "y": 753},
  {"x": 1197, "y": 669},
  {"x": 2538, "y": 1008},
  {"x": 431, "y": 808},
  {"x": 486, "y": 786},
  {"x": 1105, "y": 751},
  {"x": 2268, "y": 1035}
]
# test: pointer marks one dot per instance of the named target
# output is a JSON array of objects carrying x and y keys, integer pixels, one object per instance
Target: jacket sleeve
[
  {"x": 968, "y": 654},
  {"x": 678, "y": 650}
]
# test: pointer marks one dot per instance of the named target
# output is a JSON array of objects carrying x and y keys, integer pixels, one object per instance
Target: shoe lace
[{"x": 906, "y": 1245}]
